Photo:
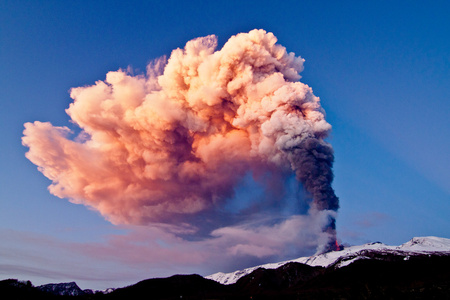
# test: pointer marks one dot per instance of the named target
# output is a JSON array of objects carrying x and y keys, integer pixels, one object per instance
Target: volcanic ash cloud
[{"x": 176, "y": 141}]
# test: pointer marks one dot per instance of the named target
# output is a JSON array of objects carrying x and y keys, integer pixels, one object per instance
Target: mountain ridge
[
  {"x": 417, "y": 269},
  {"x": 415, "y": 246}
]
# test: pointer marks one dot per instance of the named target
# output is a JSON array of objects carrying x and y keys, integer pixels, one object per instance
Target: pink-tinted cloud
[
  {"x": 163, "y": 145},
  {"x": 171, "y": 146}
]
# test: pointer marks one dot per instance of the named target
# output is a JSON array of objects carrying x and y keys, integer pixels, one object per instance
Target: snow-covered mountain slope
[{"x": 416, "y": 246}]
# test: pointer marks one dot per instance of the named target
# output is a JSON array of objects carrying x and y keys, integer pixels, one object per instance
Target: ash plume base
[{"x": 172, "y": 146}]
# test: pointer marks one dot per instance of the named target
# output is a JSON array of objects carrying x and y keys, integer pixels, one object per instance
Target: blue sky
[{"x": 381, "y": 69}]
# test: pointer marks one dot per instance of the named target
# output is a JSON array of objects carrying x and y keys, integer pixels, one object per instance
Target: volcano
[{"x": 417, "y": 246}]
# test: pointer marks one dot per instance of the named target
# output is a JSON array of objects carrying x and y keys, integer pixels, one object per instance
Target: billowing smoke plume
[{"x": 176, "y": 142}]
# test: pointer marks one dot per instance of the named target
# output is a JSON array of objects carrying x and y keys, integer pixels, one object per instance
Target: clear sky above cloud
[{"x": 382, "y": 73}]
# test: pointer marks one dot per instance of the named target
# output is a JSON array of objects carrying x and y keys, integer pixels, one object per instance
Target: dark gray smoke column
[{"x": 312, "y": 159}]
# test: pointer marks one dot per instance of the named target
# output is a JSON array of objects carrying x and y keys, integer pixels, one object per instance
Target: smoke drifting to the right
[{"x": 172, "y": 146}]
